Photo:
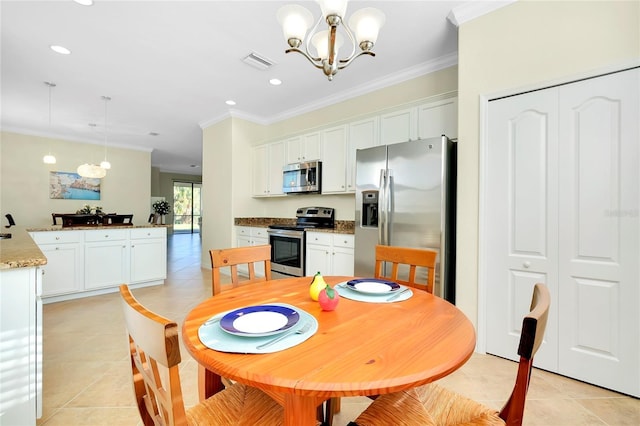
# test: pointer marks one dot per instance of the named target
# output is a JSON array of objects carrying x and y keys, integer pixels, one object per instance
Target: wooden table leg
[
  {"x": 300, "y": 410},
  {"x": 209, "y": 383}
]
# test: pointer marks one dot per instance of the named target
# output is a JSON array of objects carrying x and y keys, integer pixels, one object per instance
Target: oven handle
[{"x": 286, "y": 233}]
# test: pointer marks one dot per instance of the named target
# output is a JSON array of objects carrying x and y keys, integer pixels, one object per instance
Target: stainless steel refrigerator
[{"x": 406, "y": 196}]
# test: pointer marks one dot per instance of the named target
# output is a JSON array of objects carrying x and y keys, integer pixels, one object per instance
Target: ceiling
[{"x": 169, "y": 67}]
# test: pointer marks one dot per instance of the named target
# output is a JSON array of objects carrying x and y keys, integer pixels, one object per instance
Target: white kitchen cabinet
[
  {"x": 251, "y": 236},
  {"x": 106, "y": 258},
  {"x": 64, "y": 271},
  {"x": 334, "y": 163},
  {"x": 267, "y": 161},
  {"x": 21, "y": 354},
  {"x": 88, "y": 262},
  {"x": 399, "y": 126},
  {"x": 303, "y": 148},
  {"x": 438, "y": 118},
  {"x": 148, "y": 254},
  {"x": 362, "y": 134},
  {"x": 329, "y": 254}
]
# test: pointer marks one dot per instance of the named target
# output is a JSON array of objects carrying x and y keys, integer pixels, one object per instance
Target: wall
[
  {"x": 523, "y": 44},
  {"x": 24, "y": 179}
]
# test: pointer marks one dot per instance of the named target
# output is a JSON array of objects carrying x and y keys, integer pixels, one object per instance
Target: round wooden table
[{"x": 359, "y": 349}]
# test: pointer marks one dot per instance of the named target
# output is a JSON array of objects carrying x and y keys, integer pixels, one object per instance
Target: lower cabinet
[
  {"x": 251, "y": 236},
  {"x": 86, "y": 262},
  {"x": 329, "y": 254}
]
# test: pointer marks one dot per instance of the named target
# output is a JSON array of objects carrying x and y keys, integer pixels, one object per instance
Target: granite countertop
[
  {"x": 342, "y": 226},
  {"x": 19, "y": 251}
]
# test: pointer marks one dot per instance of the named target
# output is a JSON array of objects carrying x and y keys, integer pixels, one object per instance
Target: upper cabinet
[
  {"x": 334, "y": 159},
  {"x": 438, "y": 118},
  {"x": 362, "y": 134},
  {"x": 337, "y": 146},
  {"x": 399, "y": 126},
  {"x": 303, "y": 148},
  {"x": 267, "y": 162}
]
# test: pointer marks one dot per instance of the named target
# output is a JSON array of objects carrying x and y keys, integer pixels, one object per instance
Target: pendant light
[
  {"x": 105, "y": 164},
  {"x": 49, "y": 158}
]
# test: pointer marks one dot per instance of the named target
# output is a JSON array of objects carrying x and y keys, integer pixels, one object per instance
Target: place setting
[
  {"x": 373, "y": 290},
  {"x": 258, "y": 329}
]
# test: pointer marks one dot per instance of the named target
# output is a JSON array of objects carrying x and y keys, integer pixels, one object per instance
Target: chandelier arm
[
  {"x": 345, "y": 62},
  {"x": 314, "y": 61},
  {"x": 309, "y": 37}
]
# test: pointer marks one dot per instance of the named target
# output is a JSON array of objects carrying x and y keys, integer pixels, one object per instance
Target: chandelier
[
  {"x": 362, "y": 30},
  {"x": 91, "y": 170}
]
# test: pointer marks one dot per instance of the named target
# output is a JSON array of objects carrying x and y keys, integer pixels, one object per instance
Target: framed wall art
[{"x": 72, "y": 186}]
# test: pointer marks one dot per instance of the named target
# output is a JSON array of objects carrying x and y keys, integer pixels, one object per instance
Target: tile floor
[{"x": 86, "y": 370}]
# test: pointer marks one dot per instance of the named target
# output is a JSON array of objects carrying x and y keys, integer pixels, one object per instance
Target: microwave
[{"x": 302, "y": 178}]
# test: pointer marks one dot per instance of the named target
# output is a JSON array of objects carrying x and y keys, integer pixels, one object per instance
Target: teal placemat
[
  {"x": 348, "y": 293},
  {"x": 214, "y": 337}
]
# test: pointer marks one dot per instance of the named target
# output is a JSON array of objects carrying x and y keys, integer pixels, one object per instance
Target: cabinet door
[
  {"x": 398, "y": 126},
  {"x": 242, "y": 240},
  {"x": 106, "y": 264},
  {"x": 148, "y": 259},
  {"x": 318, "y": 260},
  {"x": 334, "y": 165},
  {"x": 64, "y": 271},
  {"x": 342, "y": 260},
  {"x": 294, "y": 150},
  {"x": 276, "y": 161},
  {"x": 438, "y": 118},
  {"x": 362, "y": 134},
  {"x": 311, "y": 146},
  {"x": 260, "y": 164}
]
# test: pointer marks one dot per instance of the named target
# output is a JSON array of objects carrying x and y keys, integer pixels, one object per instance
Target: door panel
[
  {"x": 521, "y": 219},
  {"x": 599, "y": 251}
]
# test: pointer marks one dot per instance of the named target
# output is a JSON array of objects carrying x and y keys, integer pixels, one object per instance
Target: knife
[{"x": 395, "y": 296}]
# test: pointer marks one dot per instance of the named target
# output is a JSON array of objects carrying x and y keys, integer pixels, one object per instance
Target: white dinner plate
[
  {"x": 260, "y": 320},
  {"x": 373, "y": 286}
]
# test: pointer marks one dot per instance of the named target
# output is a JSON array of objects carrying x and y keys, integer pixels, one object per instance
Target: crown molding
[{"x": 474, "y": 9}]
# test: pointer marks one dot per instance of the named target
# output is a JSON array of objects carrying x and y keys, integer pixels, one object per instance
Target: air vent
[{"x": 257, "y": 61}]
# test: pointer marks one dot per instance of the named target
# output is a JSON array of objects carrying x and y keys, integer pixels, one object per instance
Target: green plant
[
  {"x": 87, "y": 209},
  {"x": 161, "y": 207}
]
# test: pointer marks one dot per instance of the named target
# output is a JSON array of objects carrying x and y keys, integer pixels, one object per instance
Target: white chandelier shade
[
  {"x": 363, "y": 29},
  {"x": 91, "y": 171}
]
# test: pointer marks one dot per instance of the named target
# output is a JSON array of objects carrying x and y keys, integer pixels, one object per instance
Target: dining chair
[
  {"x": 434, "y": 405},
  {"x": 233, "y": 257},
  {"x": 155, "y": 358},
  {"x": 408, "y": 258}
]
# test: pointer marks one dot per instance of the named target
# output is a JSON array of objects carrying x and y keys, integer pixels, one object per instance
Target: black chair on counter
[{"x": 10, "y": 219}]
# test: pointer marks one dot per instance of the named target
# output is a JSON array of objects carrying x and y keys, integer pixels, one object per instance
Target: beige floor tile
[
  {"x": 623, "y": 411},
  {"x": 95, "y": 416}
]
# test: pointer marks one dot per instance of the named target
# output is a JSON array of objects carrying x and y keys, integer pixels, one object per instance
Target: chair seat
[
  {"x": 428, "y": 405},
  {"x": 236, "y": 405}
]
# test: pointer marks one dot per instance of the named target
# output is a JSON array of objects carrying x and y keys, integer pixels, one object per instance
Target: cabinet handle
[
  {"x": 124, "y": 246},
  {"x": 57, "y": 238},
  {"x": 133, "y": 245},
  {"x": 526, "y": 264},
  {"x": 57, "y": 248},
  {"x": 106, "y": 236}
]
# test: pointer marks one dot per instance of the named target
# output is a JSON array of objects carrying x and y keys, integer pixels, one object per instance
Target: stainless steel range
[{"x": 288, "y": 245}]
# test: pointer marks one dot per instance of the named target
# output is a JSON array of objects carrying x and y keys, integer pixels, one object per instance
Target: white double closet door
[{"x": 561, "y": 206}]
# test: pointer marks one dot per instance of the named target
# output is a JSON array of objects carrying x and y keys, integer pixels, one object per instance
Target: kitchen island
[
  {"x": 86, "y": 261},
  {"x": 21, "y": 328}
]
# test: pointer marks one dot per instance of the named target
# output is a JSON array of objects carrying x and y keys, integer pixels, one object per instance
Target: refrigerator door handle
[
  {"x": 388, "y": 204},
  {"x": 381, "y": 210}
]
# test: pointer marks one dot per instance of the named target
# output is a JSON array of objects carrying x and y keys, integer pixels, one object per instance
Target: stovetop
[{"x": 310, "y": 218}]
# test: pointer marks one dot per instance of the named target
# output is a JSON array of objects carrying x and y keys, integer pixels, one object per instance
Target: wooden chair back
[
  {"x": 533, "y": 327},
  {"x": 413, "y": 258},
  {"x": 232, "y": 257},
  {"x": 155, "y": 355}
]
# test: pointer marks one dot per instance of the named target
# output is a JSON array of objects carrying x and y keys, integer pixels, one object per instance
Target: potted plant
[{"x": 161, "y": 208}]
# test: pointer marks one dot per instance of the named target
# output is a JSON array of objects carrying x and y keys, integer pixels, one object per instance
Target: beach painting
[{"x": 72, "y": 186}]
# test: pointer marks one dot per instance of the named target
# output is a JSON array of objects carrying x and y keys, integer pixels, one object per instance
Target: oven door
[{"x": 287, "y": 251}]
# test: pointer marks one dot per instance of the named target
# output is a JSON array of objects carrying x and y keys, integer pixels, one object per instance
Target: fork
[
  {"x": 395, "y": 296},
  {"x": 305, "y": 327}
]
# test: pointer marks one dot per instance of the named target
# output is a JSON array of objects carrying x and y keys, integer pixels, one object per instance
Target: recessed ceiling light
[
  {"x": 275, "y": 82},
  {"x": 84, "y": 2},
  {"x": 194, "y": 166},
  {"x": 153, "y": 134},
  {"x": 230, "y": 102},
  {"x": 60, "y": 49}
]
